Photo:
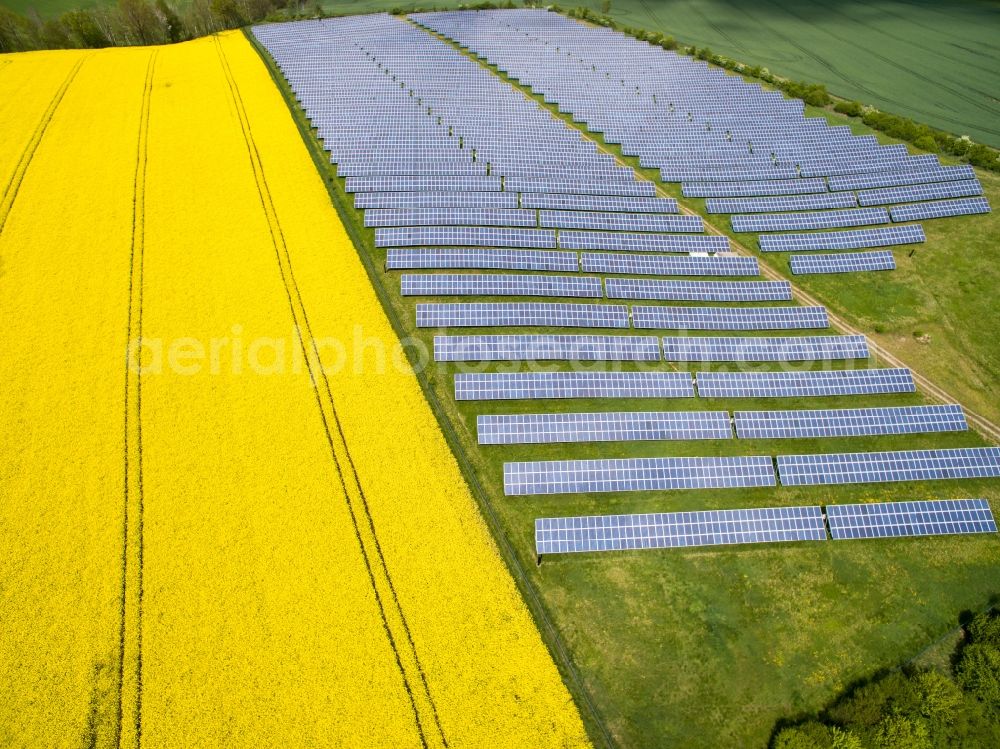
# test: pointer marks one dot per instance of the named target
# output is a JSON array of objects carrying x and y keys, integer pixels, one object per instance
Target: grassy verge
[{"x": 705, "y": 647}]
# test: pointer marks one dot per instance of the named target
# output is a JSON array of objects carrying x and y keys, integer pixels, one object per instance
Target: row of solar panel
[
  {"x": 466, "y": 238},
  {"x": 510, "y": 200},
  {"x": 762, "y": 525},
  {"x": 382, "y": 184},
  {"x": 621, "y": 426},
  {"x": 431, "y": 258},
  {"x": 647, "y": 348},
  {"x": 772, "y": 222},
  {"x": 647, "y": 474},
  {"x": 524, "y": 314},
  {"x": 817, "y": 201},
  {"x": 529, "y": 217},
  {"x": 502, "y": 237},
  {"x": 554, "y": 260},
  {"x": 562, "y": 385},
  {"x": 528, "y": 284},
  {"x": 760, "y": 188}
]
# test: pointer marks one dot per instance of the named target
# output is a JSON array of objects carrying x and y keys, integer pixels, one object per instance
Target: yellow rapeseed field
[{"x": 248, "y": 531}]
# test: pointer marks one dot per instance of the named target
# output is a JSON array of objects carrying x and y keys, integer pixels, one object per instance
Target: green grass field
[{"x": 708, "y": 648}]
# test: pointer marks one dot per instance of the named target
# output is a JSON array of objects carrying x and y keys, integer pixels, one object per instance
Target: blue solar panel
[
  {"x": 450, "y": 217},
  {"x": 754, "y": 189},
  {"x": 663, "y": 530},
  {"x": 849, "y": 422},
  {"x": 559, "y": 201},
  {"x": 637, "y": 222},
  {"x": 483, "y": 259},
  {"x": 546, "y": 348},
  {"x": 499, "y": 284},
  {"x": 844, "y": 262},
  {"x": 698, "y": 291},
  {"x": 782, "y": 203},
  {"x": 397, "y": 183},
  {"x": 636, "y": 474},
  {"x": 582, "y": 187},
  {"x": 669, "y": 265},
  {"x": 435, "y": 200},
  {"x": 892, "y": 179},
  {"x": 913, "y": 193},
  {"x": 535, "y": 385},
  {"x": 614, "y": 426},
  {"x": 595, "y": 240},
  {"x": 805, "y": 384},
  {"x": 522, "y": 314},
  {"x": 726, "y": 318},
  {"x": 918, "y": 518},
  {"x": 906, "y": 465},
  {"x": 464, "y": 236},
  {"x": 811, "y": 220},
  {"x": 842, "y": 240},
  {"x": 940, "y": 209},
  {"x": 753, "y": 348}
]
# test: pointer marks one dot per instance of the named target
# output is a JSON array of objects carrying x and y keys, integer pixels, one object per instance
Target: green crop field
[
  {"x": 938, "y": 63},
  {"x": 709, "y": 647}
]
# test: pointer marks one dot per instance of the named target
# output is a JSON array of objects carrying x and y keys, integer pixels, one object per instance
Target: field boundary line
[
  {"x": 130, "y": 650},
  {"x": 592, "y": 718},
  {"x": 13, "y": 186},
  {"x": 327, "y": 404},
  {"x": 985, "y": 427}
]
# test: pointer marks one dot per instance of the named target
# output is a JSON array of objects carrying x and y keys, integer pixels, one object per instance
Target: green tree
[
  {"x": 939, "y": 700},
  {"x": 809, "y": 735},
  {"x": 140, "y": 22},
  {"x": 16, "y": 33},
  {"x": 978, "y": 672},
  {"x": 842, "y": 739},
  {"x": 83, "y": 28},
  {"x": 173, "y": 27},
  {"x": 985, "y": 629},
  {"x": 901, "y": 732},
  {"x": 228, "y": 13}
]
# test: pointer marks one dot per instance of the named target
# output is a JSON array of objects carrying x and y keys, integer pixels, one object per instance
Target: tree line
[
  {"x": 916, "y": 708},
  {"x": 139, "y": 22}
]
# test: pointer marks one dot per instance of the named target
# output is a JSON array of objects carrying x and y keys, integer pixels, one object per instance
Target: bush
[
  {"x": 814, "y": 94},
  {"x": 850, "y": 108},
  {"x": 810, "y": 735},
  {"x": 978, "y": 668},
  {"x": 926, "y": 143},
  {"x": 984, "y": 156},
  {"x": 900, "y": 732}
]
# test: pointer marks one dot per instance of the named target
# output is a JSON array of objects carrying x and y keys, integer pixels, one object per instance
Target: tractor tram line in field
[
  {"x": 133, "y": 505},
  {"x": 338, "y": 444},
  {"x": 13, "y": 186}
]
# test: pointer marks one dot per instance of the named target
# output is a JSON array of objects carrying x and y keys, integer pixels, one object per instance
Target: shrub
[
  {"x": 900, "y": 732},
  {"x": 850, "y": 108},
  {"x": 926, "y": 143},
  {"x": 811, "y": 735},
  {"x": 984, "y": 156}
]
